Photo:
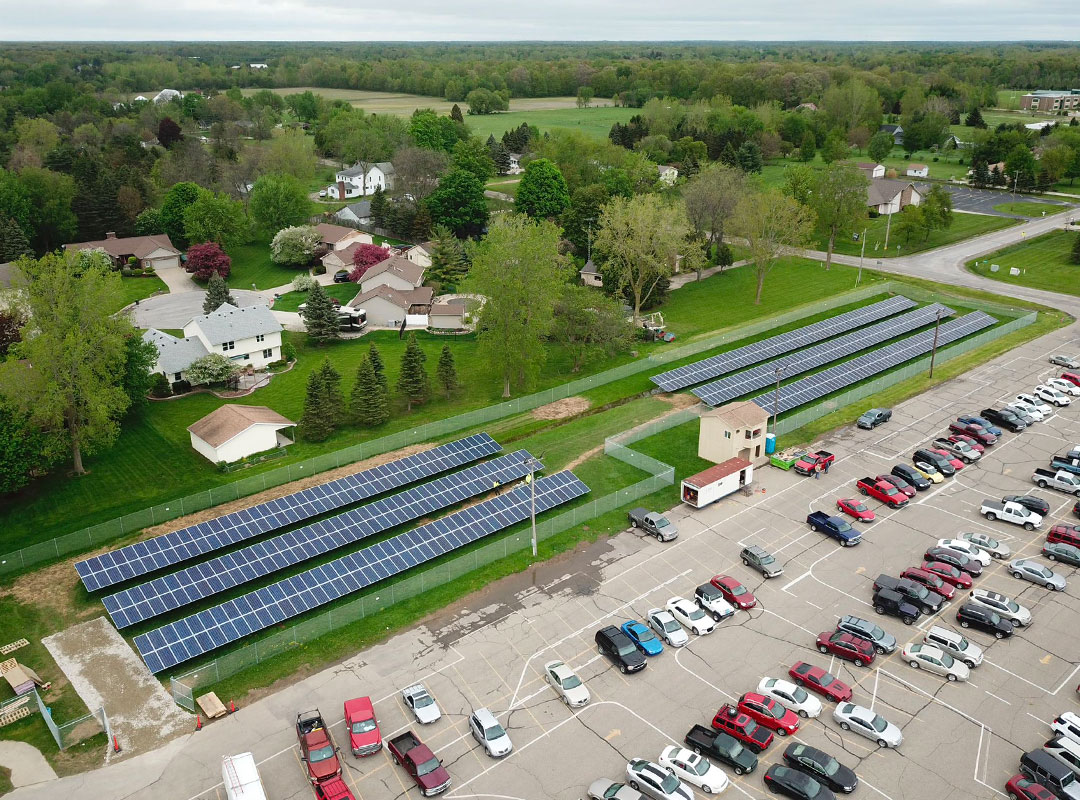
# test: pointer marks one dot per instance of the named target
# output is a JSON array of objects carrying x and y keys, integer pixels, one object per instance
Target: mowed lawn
[
  {"x": 404, "y": 104},
  {"x": 964, "y": 226},
  {"x": 1043, "y": 262},
  {"x": 132, "y": 289},
  {"x": 595, "y": 122},
  {"x": 290, "y": 301},
  {"x": 1034, "y": 210},
  {"x": 251, "y": 264}
]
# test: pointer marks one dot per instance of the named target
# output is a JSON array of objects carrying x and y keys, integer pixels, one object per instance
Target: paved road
[
  {"x": 176, "y": 310},
  {"x": 26, "y": 763}
]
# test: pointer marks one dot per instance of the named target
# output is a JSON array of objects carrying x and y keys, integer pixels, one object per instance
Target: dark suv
[
  {"x": 928, "y": 601},
  {"x": 886, "y": 601},
  {"x": 944, "y": 466},
  {"x": 912, "y": 476},
  {"x": 616, "y": 645},
  {"x": 973, "y": 616},
  {"x": 762, "y": 560},
  {"x": 1006, "y": 418}
]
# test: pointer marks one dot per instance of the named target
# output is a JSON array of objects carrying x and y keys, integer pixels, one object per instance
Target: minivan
[
  {"x": 1069, "y": 534},
  {"x": 1044, "y": 769},
  {"x": 929, "y": 457},
  {"x": 1067, "y": 724},
  {"x": 1066, "y": 751},
  {"x": 487, "y": 730}
]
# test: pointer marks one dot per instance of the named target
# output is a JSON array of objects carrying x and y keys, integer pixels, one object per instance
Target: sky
[{"x": 549, "y": 20}]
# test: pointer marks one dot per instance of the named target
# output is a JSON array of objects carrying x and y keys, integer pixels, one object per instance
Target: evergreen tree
[
  {"x": 333, "y": 398},
  {"x": 808, "y": 147},
  {"x": 455, "y": 114},
  {"x": 975, "y": 120},
  {"x": 217, "y": 294},
  {"x": 320, "y": 317},
  {"x": 313, "y": 425},
  {"x": 980, "y": 175},
  {"x": 729, "y": 156},
  {"x": 749, "y": 157},
  {"x": 501, "y": 157},
  {"x": 413, "y": 382},
  {"x": 448, "y": 262},
  {"x": 446, "y": 372},
  {"x": 13, "y": 241},
  {"x": 368, "y": 404},
  {"x": 1074, "y": 257},
  {"x": 378, "y": 207},
  {"x": 379, "y": 368}
]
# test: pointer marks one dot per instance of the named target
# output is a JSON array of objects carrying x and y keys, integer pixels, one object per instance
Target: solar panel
[
  {"x": 762, "y": 375},
  {"x": 200, "y": 581},
  {"x": 204, "y": 631},
  {"x": 722, "y": 364},
  {"x": 163, "y": 551},
  {"x": 842, "y": 375}
]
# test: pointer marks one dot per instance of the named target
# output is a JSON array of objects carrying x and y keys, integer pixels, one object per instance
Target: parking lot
[{"x": 982, "y": 201}]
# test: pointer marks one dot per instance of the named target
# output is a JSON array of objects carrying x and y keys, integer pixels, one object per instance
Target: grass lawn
[
  {"x": 1043, "y": 262},
  {"x": 290, "y": 301},
  {"x": 404, "y": 104},
  {"x": 594, "y": 122},
  {"x": 251, "y": 264},
  {"x": 132, "y": 289},
  {"x": 1029, "y": 209},
  {"x": 964, "y": 226},
  {"x": 504, "y": 185}
]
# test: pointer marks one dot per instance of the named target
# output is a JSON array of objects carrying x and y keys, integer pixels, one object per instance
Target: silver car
[
  {"x": 866, "y": 723},
  {"x": 487, "y": 730},
  {"x": 955, "y": 645},
  {"x": 1033, "y": 571},
  {"x": 667, "y": 627},
  {"x": 1005, "y": 607},
  {"x": 1065, "y": 361},
  {"x": 992, "y": 546},
  {"x": 566, "y": 684},
  {"x": 930, "y": 658},
  {"x": 655, "y": 781},
  {"x": 603, "y": 789}
]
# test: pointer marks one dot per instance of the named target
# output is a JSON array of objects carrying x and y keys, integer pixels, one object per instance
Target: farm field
[
  {"x": 1043, "y": 263},
  {"x": 405, "y": 104},
  {"x": 595, "y": 122}
]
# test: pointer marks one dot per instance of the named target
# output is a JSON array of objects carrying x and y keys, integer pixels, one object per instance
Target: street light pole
[
  {"x": 933, "y": 352},
  {"x": 862, "y": 253},
  {"x": 888, "y": 226},
  {"x": 532, "y": 465},
  {"x": 776, "y": 400}
]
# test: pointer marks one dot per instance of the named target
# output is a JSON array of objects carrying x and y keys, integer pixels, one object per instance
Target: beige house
[
  {"x": 918, "y": 170},
  {"x": 447, "y": 316},
  {"x": 396, "y": 272},
  {"x": 150, "y": 251},
  {"x": 387, "y": 307},
  {"x": 421, "y": 254},
  {"x": 891, "y": 196},
  {"x": 338, "y": 237},
  {"x": 735, "y": 430},
  {"x": 343, "y": 258},
  {"x": 590, "y": 275},
  {"x": 235, "y": 431}
]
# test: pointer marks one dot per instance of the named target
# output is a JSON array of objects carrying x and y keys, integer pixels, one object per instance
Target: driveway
[
  {"x": 982, "y": 201},
  {"x": 176, "y": 310},
  {"x": 178, "y": 280}
]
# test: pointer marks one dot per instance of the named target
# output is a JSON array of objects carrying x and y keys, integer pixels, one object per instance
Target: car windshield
[
  {"x": 323, "y": 753},
  {"x": 423, "y": 701},
  {"x": 776, "y": 711},
  {"x": 625, "y": 649},
  {"x": 947, "y": 661},
  {"x": 800, "y": 695},
  {"x": 826, "y": 679},
  {"x": 699, "y": 767},
  {"x": 766, "y": 559},
  {"x": 671, "y": 626},
  {"x": 494, "y": 732},
  {"x": 737, "y": 590},
  {"x": 363, "y": 726},
  {"x": 862, "y": 506},
  {"x": 878, "y": 723},
  {"x": 662, "y": 522},
  {"x": 1012, "y": 606},
  {"x": 695, "y": 613},
  {"x": 571, "y": 682},
  {"x": 428, "y": 766},
  {"x": 644, "y": 634},
  {"x": 829, "y": 765},
  {"x": 1042, "y": 572},
  {"x": 669, "y": 784},
  {"x": 994, "y": 618}
]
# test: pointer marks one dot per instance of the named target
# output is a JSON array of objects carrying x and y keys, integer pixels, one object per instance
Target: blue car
[
  {"x": 986, "y": 424},
  {"x": 643, "y": 637}
]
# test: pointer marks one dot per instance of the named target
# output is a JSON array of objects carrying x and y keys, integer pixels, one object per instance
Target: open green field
[
  {"x": 1043, "y": 262},
  {"x": 504, "y": 185},
  {"x": 964, "y": 226},
  {"x": 132, "y": 289},
  {"x": 251, "y": 264},
  {"x": 1029, "y": 209},
  {"x": 290, "y": 301},
  {"x": 595, "y": 122}
]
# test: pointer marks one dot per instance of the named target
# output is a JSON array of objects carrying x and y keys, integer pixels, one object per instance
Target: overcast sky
[{"x": 502, "y": 20}]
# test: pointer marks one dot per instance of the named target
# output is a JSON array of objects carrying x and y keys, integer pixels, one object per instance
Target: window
[
  {"x": 176, "y": 376},
  {"x": 245, "y": 356},
  {"x": 727, "y": 434},
  {"x": 268, "y": 353},
  {"x": 749, "y": 434},
  {"x": 261, "y": 337},
  {"x": 228, "y": 346},
  {"x": 757, "y": 432}
]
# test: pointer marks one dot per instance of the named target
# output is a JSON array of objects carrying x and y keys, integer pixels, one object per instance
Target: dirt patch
[
  {"x": 679, "y": 401},
  {"x": 561, "y": 409},
  {"x": 55, "y": 588},
  {"x": 585, "y": 456}
]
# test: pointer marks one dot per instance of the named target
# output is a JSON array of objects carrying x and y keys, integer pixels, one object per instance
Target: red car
[
  {"x": 931, "y": 581},
  {"x": 734, "y": 592},
  {"x": 906, "y": 488},
  {"x": 974, "y": 430},
  {"x": 769, "y": 713},
  {"x": 1022, "y": 789},
  {"x": 970, "y": 441},
  {"x": 855, "y": 508},
  {"x": 734, "y": 722},
  {"x": 363, "y": 728},
  {"x": 956, "y": 462},
  {"x": 1071, "y": 377},
  {"x": 948, "y": 573},
  {"x": 820, "y": 682},
  {"x": 843, "y": 645}
]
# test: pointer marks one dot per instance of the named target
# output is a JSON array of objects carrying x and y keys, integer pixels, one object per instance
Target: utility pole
[
  {"x": 532, "y": 465},
  {"x": 933, "y": 352},
  {"x": 1016, "y": 178},
  {"x": 590, "y": 220},
  {"x": 888, "y": 226},
  {"x": 862, "y": 252},
  {"x": 776, "y": 400}
]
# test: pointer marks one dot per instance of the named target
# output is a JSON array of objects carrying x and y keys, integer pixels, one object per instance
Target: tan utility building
[{"x": 735, "y": 430}]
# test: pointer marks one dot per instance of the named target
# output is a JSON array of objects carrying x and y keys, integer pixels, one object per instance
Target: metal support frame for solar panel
[
  {"x": 881, "y": 360},
  {"x": 141, "y": 558},
  {"x": 199, "y": 581},
  {"x": 742, "y": 383},
  {"x": 207, "y": 630},
  {"x": 722, "y": 364}
]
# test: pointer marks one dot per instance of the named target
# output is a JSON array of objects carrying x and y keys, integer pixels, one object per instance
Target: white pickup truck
[
  {"x": 1011, "y": 512},
  {"x": 1060, "y": 479}
]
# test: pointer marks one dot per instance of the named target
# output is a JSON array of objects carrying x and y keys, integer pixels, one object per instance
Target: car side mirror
[{"x": 303, "y": 758}]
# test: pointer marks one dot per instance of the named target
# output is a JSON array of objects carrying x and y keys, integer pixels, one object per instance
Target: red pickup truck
[
  {"x": 883, "y": 491},
  {"x": 809, "y": 462},
  {"x": 732, "y": 721},
  {"x": 320, "y": 756},
  {"x": 421, "y": 764}
]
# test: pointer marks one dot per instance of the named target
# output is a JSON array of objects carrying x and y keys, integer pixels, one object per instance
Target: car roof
[
  {"x": 359, "y": 705},
  {"x": 757, "y": 550},
  {"x": 860, "y": 711},
  {"x": 944, "y": 633},
  {"x": 660, "y": 613},
  {"x": 989, "y": 595},
  {"x": 485, "y": 717}
]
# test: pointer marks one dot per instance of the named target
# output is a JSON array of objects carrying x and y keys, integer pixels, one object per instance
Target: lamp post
[
  {"x": 862, "y": 252},
  {"x": 933, "y": 352},
  {"x": 532, "y": 465},
  {"x": 776, "y": 400}
]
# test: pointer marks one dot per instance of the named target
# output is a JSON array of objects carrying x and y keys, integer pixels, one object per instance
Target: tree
[
  {"x": 446, "y": 372},
  {"x": 25, "y": 449},
  {"x": 1074, "y": 254},
  {"x": 771, "y": 223},
  {"x": 455, "y": 114},
  {"x": 51, "y": 217},
  {"x": 799, "y": 182},
  {"x": 168, "y": 133},
  {"x": 320, "y": 317},
  {"x": 881, "y": 145},
  {"x": 839, "y": 199},
  {"x": 637, "y": 243},
  {"x": 12, "y": 320},
  {"x": 13, "y": 241},
  {"x": 910, "y": 221},
  {"x": 471, "y": 156},
  {"x": 217, "y": 294},
  {"x": 368, "y": 404},
  {"x": 206, "y": 260},
  {"x": 314, "y": 426},
  {"x": 937, "y": 210},
  {"x": 77, "y": 351},
  {"x": 808, "y": 147},
  {"x": 216, "y": 217},
  {"x": 212, "y": 368},
  {"x": 1020, "y": 167},
  {"x": 279, "y": 201},
  {"x": 140, "y": 356},
  {"x": 290, "y": 152},
  {"x": 851, "y": 104},
  {"x": 413, "y": 383},
  {"x": 501, "y": 158},
  {"x": 449, "y": 264},
  {"x": 366, "y": 256},
  {"x": 585, "y": 96},
  {"x": 589, "y": 325},
  {"x": 148, "y": 223},
  {"x": 520, "y": 271},
  {"x": 379, "y": 368},
  {"x": 295, "y": 246},
  {"x": 710, "y": 198},
  {"x": 980, "y": 176},
  {"x": 459, "y": 203},
  {"x": 542, "y": 192},
  {"x": 485, "y": 101},
  {"x": 975, "y": 119},
  {"x": 835, "y": 148},
  {"x": 333, "y": 398},
  {"x": 1056, "y": 160},
  {"x": 176, "y": 201},
  {"x": 378, "y": 207},
  {"x": 433, "y": 131},
  {"x": 749, "y": 157},
  {"x": 417, "y": 171}
]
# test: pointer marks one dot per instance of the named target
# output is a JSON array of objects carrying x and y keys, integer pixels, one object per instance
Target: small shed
[
  {"x": 235, "y": 431},
  {"x": 20, "y": 677},
  {"x": 447, "y": 316},
  {"x": 718, "y": 481}
]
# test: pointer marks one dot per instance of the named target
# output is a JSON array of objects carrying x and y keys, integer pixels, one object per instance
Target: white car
[
  {"x": 691, "y": 615},
  {"x": 421, "y": 703},
  {"x": 654, "y": 781},
  {"x": 992, "y": 546},
  {"x": 790, "y": 696},
  {"x": 1030, "y": 409},
  {"x": 955, "y": 645},
  {"x": 1051, "y": 395},
  {"x": 566, "y": 684},
  {"x": 1063, "y": 386},
  {"x": 1030, "y": 399},
  {"x": 694, "y": 769},
  {"x": 930, "y": 658},
  {"x": 667, "y": 627},
  {"x": 865, "y": 722},
  {"x": 966, "y": 548},
  {"x": 1005, "y": 608},
  {"x": 1067, "y": 725}
]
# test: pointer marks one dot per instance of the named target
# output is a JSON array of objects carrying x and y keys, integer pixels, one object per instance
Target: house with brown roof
[
  {"x": 338, "y": 237},
  {"x": 236, "y": 431},
  {"x": 387, "y": 307},
  {"x": 918, "y": 171},
  {"x": 420, "y": 254},
  {"x": 343, "y": 259},
  {"x": 155, "y": 251},
  {"x": 396, "y": 272},
  {"x": 891, "y": 196},
  {"x": 734, "y": 430}
]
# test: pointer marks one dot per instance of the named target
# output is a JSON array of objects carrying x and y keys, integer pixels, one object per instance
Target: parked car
[
  {"x": 667, "y": 627},
  {"x": 1064, "y": 361},
  {"x": 843, "y": 645},
  {"x": 900, "y": 483},
  {"x": 1029, "y": 401},
  {"x": 712, "y": 601},
  {"x": 1020, "y": 788},
  {"x": 819, "y": 681},
  {"x": 1048, "y": 394},
  {"x": 925, "y": 456},
  {"x": 957, "y": 448},
  {"x": 969, "y": 426},
  {"x": 762, "y": 560},
  {"x": 928, "y": 471},
  {"x": 1005, "y": 607},
  {"x": 883, "y": 491},
  {"x": 874, "y": 417},
  {"x": 810, "y": 462},
  {"x": 1063, "y": 386},
  {"x": 318, "y": 751},
  {"x": 768, "y": 712},
  {"x": 1033, "y": 571},
  {"x": 971, "y": 442},
  {"x": 603, "y": 789},
  {"x": 863, "y": 721},
  {"x": 949, "y": 573},
  {"x": 1026, "y": 411},
  {"x": 953, "y": 460},
  {"x": 616, "y": 645},
  {"x": 887, "y": 601},
  {"x": 341, "y": 276},
  {"x": 821, "y": 767},
  {"x": 955, "y": 559},
  {"x": 792, "y": 783},
  {"x": 734, "y": 592},
  {"x": 1025, "y": 417},
  {"x": 924, "y": 600},
  {"x": 1071, "y": 377},
  {"x": 1006, "y": 418},
  {"x": 858, "y": 509},
  {"x": 865, "y": 629},
  {"x": 732, "y": 721},
  {"x": 654, "y": 781},
  {"x": 1030, "y": 502},
  {"x": 955, "y": 645},
  {"x": 362, "y": 727},
  {"x": 931, "y": 581},
  {"x": 983, "y": 423},
  {"x": 642, "y": 637},
  {"x": 566, "y": 684},
  {"x": 1066, "y": 751},
  {"x": 421, "y": 764},
  {"x": 421, "y": 704},
  {"x": 912, "y": 476},
  {"x": 694, "y": 769},
  {"x": 653, "y": 524},
  {"x": 1064, "y": 533},
  {"x": 836, "y": 527},
  {"x": 930, "y": 658},
  {"x": 1065, "y": 553},
  {"x": 489, "y": 733},
  {"x": 1067, "y": 724},
  {"x": 966, "y": 548},
  {"x": 790, "y": 696},
  {"x": 722, "y": 747},
  {"x": 691, "y": 615},
  {"x": 970, "y": 615}
]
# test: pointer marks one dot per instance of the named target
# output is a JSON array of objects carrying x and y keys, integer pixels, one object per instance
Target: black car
[
  {"x": 721, "y": 746},
  {"x": 616, "y": 645},
  {"x": 1076, "y": 509},
  {"x": 821, "y": 767},
  {"x": 970, "y": 615},
  {"x": 986, "y": 424},
  {"x": 341, "y": 276},
  {"x": 926, "y": 600},
  {"x": 1030, "y": 502},
  {"x": 912, "y": 476},
  {"x": 887, "y": 601},
  {"x": 791, "y": 782},
  {"x": 1006, "y": 418},
  {"x": 944, "y": 466},
  {"x": 952, "y": 558}
]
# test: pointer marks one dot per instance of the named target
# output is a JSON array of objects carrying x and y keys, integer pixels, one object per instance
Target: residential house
[
  {"x": 891, "y": 196},
  {"x": 871, "y": 170},
  {"x": 806, "y": 107},
  {"x": 918, "y": 171},
  {"x": 447, "y": 316},
  {"x": 155, "y": 251},
  {"x": 735, "y": 430},
  {"x": 387, "y": 307},
  {"x": 895, "y": 131},
  {"x": 1038, "y": 126},
  {"x": 668, "y": 174},
  {"x": 359, "y": 212},
  {"x": 174, "y": 355},
  {"x": 166, "y": 96},
  {"x": 1050, "y": 100},
  {"x": 338, "y": 237},
  {"x": 515, "y": 164},
  {"x": 420, "y": 254},
  {"x": 396, "y": 272},
  {"x": 236, "y": 431},
  {"x": 259, "y": 66},
  {"x": 590, "y": 275},
  {"x": 359, "y": 180}
]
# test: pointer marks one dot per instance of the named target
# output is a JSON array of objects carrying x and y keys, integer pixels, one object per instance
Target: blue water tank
[{"x": 770, "y": 443}]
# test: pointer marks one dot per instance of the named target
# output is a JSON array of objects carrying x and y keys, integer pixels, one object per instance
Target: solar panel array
[
  {"x": 714, "y": 367},
  {"x": 200, "y": 633},
  {"x": 200, "y": 581},
  {"x": 843, "y": 375},
  {"x": 141, "y": 558},
  {"x": 762, "y": 375}
]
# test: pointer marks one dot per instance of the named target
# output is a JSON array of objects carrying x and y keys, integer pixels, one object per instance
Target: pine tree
[
  {"x": 13, "y": 241},
  {"x": 729, "y": 156},
  {"x": 333, "y": 399},
  {"x": 413, "y": 382},
  {"x": 379, "y": 368},
  {"x": 217, "y": 294},
  {"x": 446, "y": 371},
  {"x": 501, "y": 156},
  {"x": 980, "y": 175},
  {"x": 975, "y": 120},
  {"x": 320, "y": 317},
  {"x": 421, "y": 224},
  {"x": 1074, "y": 257},
  {"x": 448, "y": 262},
  {"x": 378, "y": 207},
  {"x": 455, "y": 114},
  {"x": 313, "y": 425},
  {"x": 368, "y": 404}
]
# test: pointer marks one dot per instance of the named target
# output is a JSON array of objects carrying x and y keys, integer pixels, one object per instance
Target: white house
[
  {"x": 150, "y": 251},
  {"x": 360, "y": 181},
  {"x": 235, "y": 431},
  {"x": 420, "y": 254},
  {"x": 668, "y": 174},
  {"x": 259, "y": 66},
  {"x": 395, "y": 272},
  {"x": 895, "y": 131},
  {"x": 918, "y": 171},
  {"x": 248, "y": 335},
  {"x": 174, "y": 355},
  {"x": 515, "y": 164},
  {"x": 590, "y": 275},
  {"x": 387, "y": 307},
  {"x": 890, "y": 196},
  {"x": 166, "y": 95},
  {"x": 871, "y": 170},
  {"x": 359, "y": 212}
]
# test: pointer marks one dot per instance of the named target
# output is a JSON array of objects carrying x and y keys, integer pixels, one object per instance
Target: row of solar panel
[
  {"x": 172, "y": 548},
  {"x": 744, "y": 382},
  {"x": 714, "y": 367},
  {"x": 893, "y": 355},
  {"x": 200, "y": 581},
  {"x": 200, "y": 633}
]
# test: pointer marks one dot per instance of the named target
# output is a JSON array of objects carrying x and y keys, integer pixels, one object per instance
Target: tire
[
  {"x": 781, "y": 732},
  {"x": 857, "y": 662},
  {"x": 965, "y": 624},
  {"x": 1042, "y": 484},
  {"x": 1051, "y": 556},
  {"x": 970, "y": 664},
  {"x": 1016, "y": 575},
  {"x": 1051, "y": 587},
  {"x": 1028, "y": 526},
  {"x": 706, "y": 789},
  {"x": 813, "y": 528},
  {"x": 879, "y": 610},
  {"x": 633, "y": 523},
  {"x": 622, "y": 668},
  {"x": 914, "y": 664},
  {"x": 803, "y": 714},
  {"x": 697, "y": 749},
  {"x": 599, "y": 650},
  {"x": 737, "y": 770},
  {"x": 880, "y": 650},
  {"x": 882, "y": 743},
  {"x": 823, "y": 649},
  {"x": 845, "y": 726},
  {"x": 863, "y": 492},
  {"x": 1012, "y": 796},
  {"x": 990, "y": 515},
  {"x": 907, "y": 620},
  {"x": 394, "y": 759},
  {"x": 659, "y": 538},
  {"x": 951, "y": 678},
  {"x": 999, "y": 635},
  {"x": 745, "y": 563},
  {"x": 634, "y": 786}
]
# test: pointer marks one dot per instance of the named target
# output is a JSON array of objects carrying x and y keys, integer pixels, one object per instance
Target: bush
[
  {"x": 149, "y": 269},
  {"x": 288, "y": 352},
  {"x": 125, "y": 272},
  {"x": 303, "y": 282},
  {"x": 181, "y": 387},
  {"x": 132, "y": 261},
  {"x": 137, "y": 271},
  {"x": 159, "y": 386},
  {"x": 274, "y": 366},
  {"x": 935, "y": 158},
  {"x": 320, "y": 269},
  {"x": 203, "y": 260},
  {"x": 874, "y": 213}
]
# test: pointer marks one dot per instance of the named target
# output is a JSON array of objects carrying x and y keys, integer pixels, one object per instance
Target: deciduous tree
[
  {"x": 295, "y": 247},
  {"x": 279, "y": 201},
  {"x": 808, "y": 147},
  {"x": 459, "y": 203},
  {"x": 171, "y": 216},
  {"x": 205, "y": 260},
  {"x": 542, "y": 192},
  {"x": 835, "y": 148},
  {"x": 589, "y": 325},
  {"x": 216, "y": 217},
  {"x": 417, "y": 172},
  {"x": 168, "y": 132},
  {"x": 471, "y": 156},
  {"x": 839, "y": 199},
  {"x": 710, "y": 198},
  {"x": 51, "y": 217},
  {"x": 211, "y": 368},
  {"x": 881, "y": 144},
  {"x": 771, "y": 223},
  {"x": 364, "y": 258},
  {"x": 25, "y": 449}
]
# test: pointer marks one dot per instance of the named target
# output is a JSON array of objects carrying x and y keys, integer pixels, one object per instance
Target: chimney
[
  {"x": 110, "y": 235},
  {"x": 341, "y": 190}
]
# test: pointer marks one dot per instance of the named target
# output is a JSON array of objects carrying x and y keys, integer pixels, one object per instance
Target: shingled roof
[
  {"x": 229, "y": 421},
  {"x": 230, "y": 324}
]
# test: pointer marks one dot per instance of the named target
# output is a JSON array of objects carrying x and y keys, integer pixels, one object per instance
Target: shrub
[
  {"x": 125, "y": 272},
  {"x": 149, "y": 269},
  {"x": 212, "y": 368},
  {"x": 137, "y": 271},
  {"x": 274, "y": 366},
  {"x": 295, "y": 246},
  {"x": 132, "y": 261},
  {"x": 365, "y": 257},
  {"x": 320, "y": 269},
  {"x": 303, "y": 282},
  {"x": 159, "y": 386},
  {"x": 288, "y": 352},
  {"x": 203, "y": 260},
  {"x": 181, "y": 387}
]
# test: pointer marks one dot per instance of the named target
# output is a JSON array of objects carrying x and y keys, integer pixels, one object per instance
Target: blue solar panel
[
  {"x": 199, "y": 633},
  {"x": 162, "y": 551},
  {"x": 885, "y": 358},
  {"x": 714, "y": 367},
  {"x": 200, "y": 581},
  {"x": 744, "y": 382}
]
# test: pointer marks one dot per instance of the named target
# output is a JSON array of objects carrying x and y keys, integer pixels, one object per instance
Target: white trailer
[
  {"x": 716, "y": 482},
  {"x": 241, "y": 778}
]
